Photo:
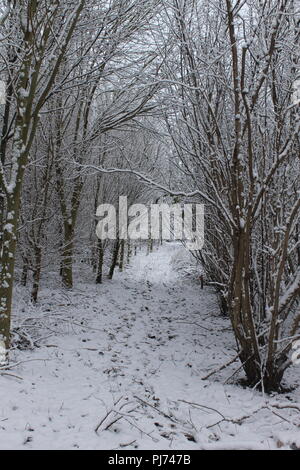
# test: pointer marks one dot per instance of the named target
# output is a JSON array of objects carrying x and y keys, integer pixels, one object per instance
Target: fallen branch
[
  {"x": 114, "y": 419},
  {"x": 221, "y": 368},
  {"x": 158, "y": 411},
  {"x": 15, "y": 364},
  {"x": 129, "y": 444},
  {"x": 11, "y": 375},
  {"x": 107, "y": 415},
  {"x": 264, "y": 407},
  {"x": 198, "y": 405},
  {"x": 141, "y": 430},
  {"x": 281, "y": 407}
]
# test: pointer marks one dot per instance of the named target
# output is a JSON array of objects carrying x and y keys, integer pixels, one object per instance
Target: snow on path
[{"x": 126, "y": 357}]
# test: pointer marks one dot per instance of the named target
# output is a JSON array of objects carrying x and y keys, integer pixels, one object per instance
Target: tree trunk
[
  {"x": 129, "y": 251},
  {"x": 114, "y": 259},
  {"x": 67, "y": 257},
  {"x": 36, "y": 275},
  {"x": 266, "y": 378},
  {"x": 100, "y": 262},
  {"x": 7, "y": 272},
  {"x": 122, "y": 253},
  {"x": 24, "y": 273}
]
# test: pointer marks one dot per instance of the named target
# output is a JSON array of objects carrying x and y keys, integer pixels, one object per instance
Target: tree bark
[
  {"x": 114, "y": 259},
  {"x": 67, "y": 256},
  {"x": 36, "y": 275},
  {"x": 122, "y": 254},
  {"x": 100, "y": 262}
]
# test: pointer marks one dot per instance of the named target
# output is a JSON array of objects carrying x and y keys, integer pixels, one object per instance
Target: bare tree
[
  {"x": 235, "y": 132},
  {"x": 39, "y": 35}
]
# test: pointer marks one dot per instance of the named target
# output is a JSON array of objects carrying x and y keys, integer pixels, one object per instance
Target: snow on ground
[{"x": 127, "y": 358}]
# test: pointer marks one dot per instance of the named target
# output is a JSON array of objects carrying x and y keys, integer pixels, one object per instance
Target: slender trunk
[
  {"x": 129, "y": 252},
  {"x": 24, "y": 272},
  {"x": 67, "y": 256},
  {"x": 94, "y": 256},
  {"x": 100, "y": 262},
  {"x": 122, "y": 253},
  {"x": 114, "y": 259},
  {"x": 36, "y": 275}
]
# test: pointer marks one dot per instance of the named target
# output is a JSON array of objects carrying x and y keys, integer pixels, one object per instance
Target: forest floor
[{"x": 120, "y": 366}]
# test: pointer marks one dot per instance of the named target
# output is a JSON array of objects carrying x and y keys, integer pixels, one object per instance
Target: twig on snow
[
  {"x": 15, "y": 364},
  {"x": 106, "y": 416},
  {"x": 221, "y": 368},
  {"x": 198, "y": 405},
  {"x": 117, "y": 412},
  {"x": 11, "y": 375},
  {"x": 158, "y": 411},
  {"x": 128, "y": 444}
]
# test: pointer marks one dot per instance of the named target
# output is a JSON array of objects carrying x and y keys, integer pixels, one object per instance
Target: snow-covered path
[{"x": 127, "y": 358}]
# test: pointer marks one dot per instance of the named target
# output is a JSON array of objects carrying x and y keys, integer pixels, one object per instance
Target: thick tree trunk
[
  {"x": 7, "y": 272},
  {"x": 3, "y": 147}
]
